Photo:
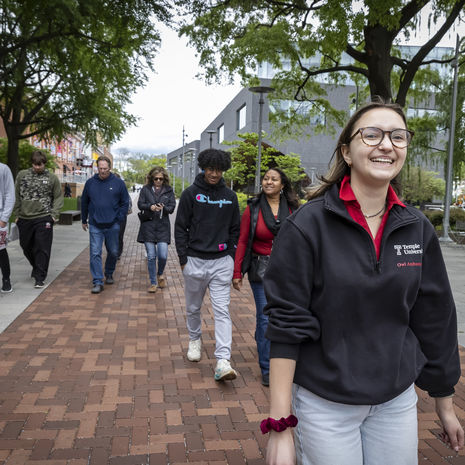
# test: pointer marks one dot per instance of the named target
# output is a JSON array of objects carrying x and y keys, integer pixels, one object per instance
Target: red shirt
[
  {"x": 262, "y": 241},
  {"x": 347, "y": 195}
]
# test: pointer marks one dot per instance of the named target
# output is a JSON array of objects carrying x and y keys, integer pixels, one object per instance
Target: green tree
[
  {"x": 139, "y": 166},
  {"x": 244, "y": 154},
  {"x": 420, "y": 186},
  {"x": 322, "y": 40},
  {"x": 25, "y": 150},
  {"x": 69, "y": 66}
]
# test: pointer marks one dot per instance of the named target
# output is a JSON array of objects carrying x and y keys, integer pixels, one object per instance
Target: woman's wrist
[{"x": 271, "y": 424}]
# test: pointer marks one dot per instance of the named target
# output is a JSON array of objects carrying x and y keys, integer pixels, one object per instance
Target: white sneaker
[
  {"x": 193, "y": 353},
  {"x": 224, "y": 371}
]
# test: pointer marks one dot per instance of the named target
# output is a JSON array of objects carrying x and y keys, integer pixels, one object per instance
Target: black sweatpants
[
  {"x": 35, "y": 238},
  {"x": 4, "y": 264}
]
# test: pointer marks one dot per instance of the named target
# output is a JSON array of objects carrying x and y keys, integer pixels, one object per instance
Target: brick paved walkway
[{"x": 103, "y": 379}]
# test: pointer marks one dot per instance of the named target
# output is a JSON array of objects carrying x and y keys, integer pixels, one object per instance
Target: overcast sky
[{"x": 174, "y": 98}]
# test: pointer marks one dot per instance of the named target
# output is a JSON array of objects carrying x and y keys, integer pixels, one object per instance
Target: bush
[
  {"x": 242, "y": 199},
  {"x": 435, "y": 216}
]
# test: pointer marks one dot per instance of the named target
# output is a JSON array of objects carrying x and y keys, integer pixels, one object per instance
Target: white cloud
[{"x": 172, "y": 98}]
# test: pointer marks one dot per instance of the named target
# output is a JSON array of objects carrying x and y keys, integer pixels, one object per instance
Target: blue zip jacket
[{"x": 104, "y": 202}]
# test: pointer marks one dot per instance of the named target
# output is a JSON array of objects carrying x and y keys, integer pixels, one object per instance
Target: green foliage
[
  {"x": 420, "y": 186},
  {"x": 24, "y": 155},
  {"x": 310, "y": 42},
  {"x": 242, "y": 199},
  {"x": 68, "y": 66},
  {"x": 140, "y": 165},
  {"x": 244, "y": 155},
  {"x": 437, "y": 217},
  {"x": 70, "y": 203}
]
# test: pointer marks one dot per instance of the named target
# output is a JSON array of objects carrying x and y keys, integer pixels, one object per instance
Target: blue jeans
[
  {"x": 154, "y": 250},
  {"x": 263, "y": 344},
  {"x": 97, "y": 236}
]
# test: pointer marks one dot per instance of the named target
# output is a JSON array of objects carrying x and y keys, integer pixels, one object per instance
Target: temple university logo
[{"x": 408, "y": 249}]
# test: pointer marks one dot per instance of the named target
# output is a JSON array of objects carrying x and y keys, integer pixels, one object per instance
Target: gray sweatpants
[{"x": 217, "y": 276}]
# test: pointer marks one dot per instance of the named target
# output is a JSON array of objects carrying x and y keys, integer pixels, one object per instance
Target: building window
[
  {"x": 221, "y": 134},
  {"x": 240, "y": 117}
]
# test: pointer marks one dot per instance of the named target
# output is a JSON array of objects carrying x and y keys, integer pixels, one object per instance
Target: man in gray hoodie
[{"x": 7, "y": 202}]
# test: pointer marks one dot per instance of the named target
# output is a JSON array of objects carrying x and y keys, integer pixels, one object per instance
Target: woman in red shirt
[{"x": 260, "y": 224}]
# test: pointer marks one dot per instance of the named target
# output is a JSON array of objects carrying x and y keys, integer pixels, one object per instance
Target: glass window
[
  {"x": 240, "y": 117},
  {"x": 221, "y": 134}
]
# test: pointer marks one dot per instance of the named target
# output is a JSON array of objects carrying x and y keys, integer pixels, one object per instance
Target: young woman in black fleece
[{"x": 365, "y": 313}]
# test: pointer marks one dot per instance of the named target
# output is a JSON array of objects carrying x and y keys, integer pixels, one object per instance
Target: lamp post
[
  {"x": 211, "y": 132},
  {"x": 184, "y": 136},
  {"x": 445, "y": 224},
  {"x": 261, "y": 90},
  {"x": 172, "y": 167},
  {"x": 190, "y": 154}
]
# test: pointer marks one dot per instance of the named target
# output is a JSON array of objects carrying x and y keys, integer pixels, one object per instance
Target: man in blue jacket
[{"x": 104, "y": 205}]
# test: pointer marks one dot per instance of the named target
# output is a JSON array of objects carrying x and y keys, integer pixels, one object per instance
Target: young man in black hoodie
[{"x": 206, "y": 233}]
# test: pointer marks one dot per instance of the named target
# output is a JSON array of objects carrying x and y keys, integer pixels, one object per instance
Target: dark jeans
[
  {"x": 35, "y": 238},
  {"x": 263, "y": 344},
  {"x": 122, "y": 228},
  {"x": 4, "y": 264}
]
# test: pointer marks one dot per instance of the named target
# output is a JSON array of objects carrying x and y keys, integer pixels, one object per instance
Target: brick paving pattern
[{"x": 103, "y": 379}]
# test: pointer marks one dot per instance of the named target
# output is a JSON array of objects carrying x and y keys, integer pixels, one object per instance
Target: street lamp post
[
  {"x": 261, "y": 90},
  {"x": 184, "y": 136},
  {"x": 445, "y": 224},
  {"x": 172, "y": 166},
  {"x": 211, "y": 132},
  {"x": 190, "y": 154}
]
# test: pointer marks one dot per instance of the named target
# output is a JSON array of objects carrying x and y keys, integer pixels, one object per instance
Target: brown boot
[{"x": 161, "y": 281}]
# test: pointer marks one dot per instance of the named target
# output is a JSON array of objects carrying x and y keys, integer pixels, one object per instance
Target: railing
[{"x": 70, "y": 178}]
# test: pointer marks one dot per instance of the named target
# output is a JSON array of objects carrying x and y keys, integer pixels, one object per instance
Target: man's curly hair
[{"x": 214, "y": 158}]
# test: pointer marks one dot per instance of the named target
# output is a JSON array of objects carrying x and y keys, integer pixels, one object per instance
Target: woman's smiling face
[{"x": 375, "y": 165}]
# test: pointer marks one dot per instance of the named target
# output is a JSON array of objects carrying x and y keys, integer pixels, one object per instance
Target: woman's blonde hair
[{"x": 338, "y": 167}]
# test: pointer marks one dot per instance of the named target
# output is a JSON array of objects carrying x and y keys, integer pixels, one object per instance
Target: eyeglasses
[
  {"x": 372, "y": 137},
  {"x": 158, "y": 179}
]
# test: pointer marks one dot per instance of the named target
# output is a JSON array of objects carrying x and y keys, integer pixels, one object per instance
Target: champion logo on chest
[{"x": 202, "y": 198}]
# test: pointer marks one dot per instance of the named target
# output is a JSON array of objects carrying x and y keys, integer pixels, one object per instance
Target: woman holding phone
[{"x": 156, "y": 197}]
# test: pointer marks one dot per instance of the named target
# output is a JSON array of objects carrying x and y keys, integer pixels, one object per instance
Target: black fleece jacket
[
  {"x": 361, "y": 330},
  {"x": 207, "y": 221}
]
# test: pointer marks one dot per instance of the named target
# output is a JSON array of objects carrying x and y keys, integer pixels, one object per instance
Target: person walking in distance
[
  {"x": 7, "y": 202},
  {"x": 157, "y": 201},
  {"x": 360, "y": 310},
  {"x": 104, "y": 205},
  {"x": 206, "y": 233},
  {"x": 39, "y": 199},
  {"x": 260, "y": 224}
]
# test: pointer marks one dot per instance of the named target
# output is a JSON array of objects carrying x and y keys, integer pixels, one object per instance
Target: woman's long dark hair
[
  {"x": 339, "y": 168},
  {"x": 288, "y": 191}
]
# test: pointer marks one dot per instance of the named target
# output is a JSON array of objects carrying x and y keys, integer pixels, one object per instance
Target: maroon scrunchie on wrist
[{"x": 278, "y": 425}]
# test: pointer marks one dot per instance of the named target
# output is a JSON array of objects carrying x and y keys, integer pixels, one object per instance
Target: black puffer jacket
[{"x": 158, "y": 229}]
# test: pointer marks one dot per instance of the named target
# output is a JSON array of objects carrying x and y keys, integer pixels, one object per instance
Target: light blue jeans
[
  {"x": 330, "y": 433},
  {"x": 156, "y": 250},
  {"x": 97, "y": 236}
]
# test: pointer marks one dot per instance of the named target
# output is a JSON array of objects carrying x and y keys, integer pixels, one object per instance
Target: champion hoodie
[
  {"x": 361, "y": 330},
  {"x": 207, "y": 221}
]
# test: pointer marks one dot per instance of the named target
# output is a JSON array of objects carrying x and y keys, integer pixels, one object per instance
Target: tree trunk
[
  {"x": 378, "y": 43},
  {"x": 13, "y": 149}
]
